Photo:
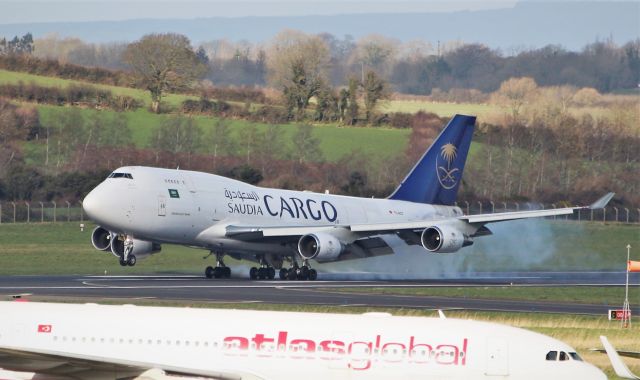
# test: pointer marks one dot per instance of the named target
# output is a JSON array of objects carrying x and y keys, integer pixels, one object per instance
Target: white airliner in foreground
[
  {"x": 138, "y": 208},
  {"x": 63, "y": 341}
]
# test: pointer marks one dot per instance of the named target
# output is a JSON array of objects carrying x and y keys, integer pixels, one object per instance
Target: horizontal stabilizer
[{"x": 602, "y": 202}]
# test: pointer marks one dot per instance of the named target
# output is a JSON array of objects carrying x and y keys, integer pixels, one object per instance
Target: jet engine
[
  {"x": 320, "y": 246},
  {"x": 101, "y": 239},
  {"x": 443, "y": 239},
  {"x": 140, "y": 249}
]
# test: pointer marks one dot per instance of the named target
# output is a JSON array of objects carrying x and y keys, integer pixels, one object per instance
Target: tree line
[{"x": 412, "y": 67}]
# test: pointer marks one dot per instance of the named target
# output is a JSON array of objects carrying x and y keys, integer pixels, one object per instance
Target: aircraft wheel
[
  {"x": 271, "y": 273},
  {"x": 283, "y": 273},
  {"x": 304, "y": 273},
  {"x": 253, "y": 273},
  {"x": 122, "y": 262},
  {"x": 217, "y": 272},
  {"x": 262, "y": 273},
  {"x": 293, "y": 274},
  {"x": 226, "y": 272},
  {"x": 131, "y": 260},
  {"x": 313, "y": 274},
  {"x": 209, "y": 272}
]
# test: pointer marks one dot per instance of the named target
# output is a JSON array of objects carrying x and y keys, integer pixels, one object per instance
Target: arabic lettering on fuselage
[{"x": 278, "y": 206}]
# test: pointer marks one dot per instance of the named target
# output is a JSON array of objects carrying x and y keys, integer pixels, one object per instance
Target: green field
[
  {"x": 439, "y": 108},
  {"x": 595, "y": 295},
  {"x": 13, "y": 77},
  {"x": 61, "y": 248},
  {"x": 335, "y": 141}
]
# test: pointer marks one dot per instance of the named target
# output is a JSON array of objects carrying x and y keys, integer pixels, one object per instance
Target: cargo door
[{"x": 497, "y": 357}]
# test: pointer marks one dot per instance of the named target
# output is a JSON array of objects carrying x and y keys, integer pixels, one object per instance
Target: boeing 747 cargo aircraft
[
  {"x": 139, "y": 208},
  {"x": 89, "y": 342}
]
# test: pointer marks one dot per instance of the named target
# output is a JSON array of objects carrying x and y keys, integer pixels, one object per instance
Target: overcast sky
[{"x": 94, "y": 10}]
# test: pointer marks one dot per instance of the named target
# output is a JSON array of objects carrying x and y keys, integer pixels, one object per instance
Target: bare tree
[
  {"x": 163, "y": 62},
  {"x": 297, "y": 64},
  {"x": 375, "y": 89},
  {"x": 513, "y": 95}
]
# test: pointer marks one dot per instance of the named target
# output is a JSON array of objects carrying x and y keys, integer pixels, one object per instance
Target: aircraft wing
[
  {"x": 368, "y": 229},
  {"x": 88, "y": 367}
]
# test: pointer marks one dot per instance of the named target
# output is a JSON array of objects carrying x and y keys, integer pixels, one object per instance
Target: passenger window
[
  {"x": 552, "y": 355},
  {"x": 575, "y": 356},
  {"x": 563, "y": 356}
]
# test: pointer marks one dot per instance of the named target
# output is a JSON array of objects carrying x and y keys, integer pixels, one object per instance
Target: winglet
[
  {"x": 441, "y": 314},
  {"x": 619, "y": 367},
  {"x": 602, "y": 202}
]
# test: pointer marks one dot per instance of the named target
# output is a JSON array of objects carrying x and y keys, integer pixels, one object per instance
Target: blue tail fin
[{"x": 436, "y": 177}]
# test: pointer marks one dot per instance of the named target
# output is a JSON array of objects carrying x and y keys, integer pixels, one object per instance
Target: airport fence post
[
  {"x": 493, "y": 207},
  {"x": 627, "y": 211},
  {"x": 579, "y": 212},
  {"x": 505, "y": 206},
  {"x": 467, "y": 203},
  {"x": 28, "y": 212},
  {"x": 615, "y": 209},
  {"x": 14, "y": 211},
  {"x": 0, "y": 213},
  {"x": 638, "y": 209},
  {"x": 554, "y": 206},
  {"x": 592, "y": 215},
  {"x": 517, "y": 206},
  {"x": 604, "y": 214},
  {"x": 480, "y": 205},
  {"x": 81, "y": 212},
  {"x": 68, "y": 211},
  {"x": 41, "y": 212},
  {"x": 55, "y": 208}
]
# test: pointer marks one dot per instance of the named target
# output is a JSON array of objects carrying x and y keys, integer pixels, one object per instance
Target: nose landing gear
[{"x": 127, "y": 258}]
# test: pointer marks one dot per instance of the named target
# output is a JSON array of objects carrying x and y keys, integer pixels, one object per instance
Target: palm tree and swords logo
[{"x": 446, "y": 175}]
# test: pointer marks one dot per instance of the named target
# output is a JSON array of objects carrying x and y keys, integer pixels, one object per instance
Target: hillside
[
  {"x": 536, "y": 161},
  {"x": 569, "y": 24}
]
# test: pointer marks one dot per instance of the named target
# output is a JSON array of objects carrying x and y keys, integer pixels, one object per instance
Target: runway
[{"x": 323, "y": 292}]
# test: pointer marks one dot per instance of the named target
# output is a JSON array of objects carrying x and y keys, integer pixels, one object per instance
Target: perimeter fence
[{"x": 52, "y": 212}]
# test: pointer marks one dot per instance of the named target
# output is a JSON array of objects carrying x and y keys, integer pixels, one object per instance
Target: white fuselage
[
  {"x": 194, "y": 208},
  {"x": 280, "y": 345}
]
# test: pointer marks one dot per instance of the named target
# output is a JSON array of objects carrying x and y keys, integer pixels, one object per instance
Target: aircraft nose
[{"x": 99, "y": 205}]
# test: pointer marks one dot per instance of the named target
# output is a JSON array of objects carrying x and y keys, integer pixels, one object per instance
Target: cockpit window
[
  {"x": 120, "y": 175},
  {"x": 552, "y": 355},
  {"x": 575, "y": 356},
  {"x": 563, "y": 356}
]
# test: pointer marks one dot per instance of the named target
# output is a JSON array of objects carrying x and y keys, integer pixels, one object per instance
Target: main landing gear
[
  {"x": 301, "y": 273},
  {"x": 220, "y": 270},
  {"x": 264, "y": 272}
]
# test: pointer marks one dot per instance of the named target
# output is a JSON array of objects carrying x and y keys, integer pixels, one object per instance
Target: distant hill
[{"x": 528, "y": 25}]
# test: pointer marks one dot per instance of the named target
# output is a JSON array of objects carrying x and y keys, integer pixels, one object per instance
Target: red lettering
[
  {"x": 464, "y": 351},
  {"x": 236, "y": 343},
  {"x": 419, "y": 353},
  {"x": 357, "y": 363},
  {"x": 334, "y": 347},
  {"x": 303, "y": 346},
  {"x": 393, "y": 355},
  {"x": 447, "y": 354}
]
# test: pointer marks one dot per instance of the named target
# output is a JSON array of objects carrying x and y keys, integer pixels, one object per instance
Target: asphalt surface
[{"x": 322, "y": 292}]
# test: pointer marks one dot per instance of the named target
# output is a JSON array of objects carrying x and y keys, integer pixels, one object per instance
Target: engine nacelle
[
  {"x": 320, "y": 246},
  {"x": 141, "y": 248},
  {"x": 101, "y": 239},
  {"x": 443, "y": 239}
]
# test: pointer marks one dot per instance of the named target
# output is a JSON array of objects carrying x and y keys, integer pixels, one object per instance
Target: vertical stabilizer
[{"x": 436, "y": 177}]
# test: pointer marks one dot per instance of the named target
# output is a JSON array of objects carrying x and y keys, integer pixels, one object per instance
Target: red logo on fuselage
[
  {"x": 360, "y": 354},
  {"x": 44, "y": 328}
]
